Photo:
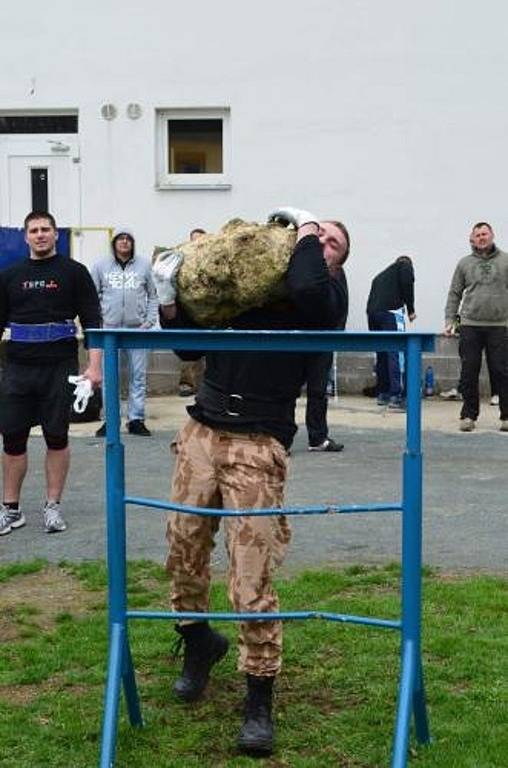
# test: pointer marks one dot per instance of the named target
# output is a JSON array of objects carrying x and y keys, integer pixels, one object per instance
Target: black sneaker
[
  {"x": 101, "y": 432},
  {"x": 327, "y": 446},
  {"x": 137, "y": 427}
]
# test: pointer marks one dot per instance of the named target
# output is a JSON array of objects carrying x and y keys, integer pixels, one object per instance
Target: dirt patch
[
  {"x": 21, "y": 695},
  {"x": 39, "y": 598}
]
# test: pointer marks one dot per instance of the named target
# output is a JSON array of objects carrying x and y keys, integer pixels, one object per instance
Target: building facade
[{"x": 165, "y": 117}]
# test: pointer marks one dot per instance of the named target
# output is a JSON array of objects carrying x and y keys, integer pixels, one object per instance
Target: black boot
[
  {"x": 257, "y": 733},
  {"x": 203, "y": 648}
]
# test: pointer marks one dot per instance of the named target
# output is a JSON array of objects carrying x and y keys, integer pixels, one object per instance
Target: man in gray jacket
[
  {"x": 128, "y": 300},
  {"x": 480, "y": 282}
]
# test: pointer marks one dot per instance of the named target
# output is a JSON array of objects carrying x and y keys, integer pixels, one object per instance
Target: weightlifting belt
[
  {"x": 241, "y": 407},
  {"x": 40, "y": 332}
]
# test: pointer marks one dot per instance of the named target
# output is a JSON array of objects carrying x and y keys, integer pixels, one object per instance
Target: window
[
  {"x": 193, "y": 149},
  {"x": 14, "y": 123}
]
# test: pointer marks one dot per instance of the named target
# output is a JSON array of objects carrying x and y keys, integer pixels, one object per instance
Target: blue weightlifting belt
[{"x": 35, "y": 332}]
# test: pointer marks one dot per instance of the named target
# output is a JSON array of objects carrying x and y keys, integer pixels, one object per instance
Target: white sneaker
[
  {"x": 451, "y": 394},
  {"x": 494, "y": 400},
  {"x": 9, "y": 519},
  {"x": 53, "y": 520}
]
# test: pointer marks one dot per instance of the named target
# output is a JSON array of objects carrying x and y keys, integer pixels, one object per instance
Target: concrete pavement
[{"x": 465, "y": 492}]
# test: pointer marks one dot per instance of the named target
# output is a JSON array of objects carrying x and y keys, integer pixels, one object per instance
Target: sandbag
[{"x": 239, "y": 268}]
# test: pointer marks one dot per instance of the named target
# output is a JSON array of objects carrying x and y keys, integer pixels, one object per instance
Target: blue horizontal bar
[
  {"x": 141, "y": 501},
  {"x": 284, "y": 616},
  {"x": 276, "y": 341}
]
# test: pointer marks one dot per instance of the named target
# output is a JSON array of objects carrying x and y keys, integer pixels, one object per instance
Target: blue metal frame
[{"x": 411, "y": 700}]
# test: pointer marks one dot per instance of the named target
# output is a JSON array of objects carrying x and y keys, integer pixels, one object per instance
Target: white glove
[
  {"x": 82, "y": 392},
  {"x": 165, "y": 271},
  {"x": 294, "y": 216}
]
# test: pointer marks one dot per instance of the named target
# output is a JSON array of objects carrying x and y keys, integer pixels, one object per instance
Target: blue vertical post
[
  {"x": 119, "y": 662},
  {"x": 411, "y": 696}
]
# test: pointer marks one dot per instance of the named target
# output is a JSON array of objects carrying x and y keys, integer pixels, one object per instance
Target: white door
[
  {"x": 43, "y": 174},
  {"x": 89, "y": 244}
]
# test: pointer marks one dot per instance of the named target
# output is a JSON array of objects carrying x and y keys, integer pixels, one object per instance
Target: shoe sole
[
  {"x": 218, "y": 656},
  {"x": 254, "y": 748},
  {"x": 325, "y": 450},
  {"x": 13, "y": 526},
  {"x": 55, "y": 530}
]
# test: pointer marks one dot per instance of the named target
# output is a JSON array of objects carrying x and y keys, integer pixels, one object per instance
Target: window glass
[
  {"x": 38, "y": 124},
  {"x": 195, "y": 146}
]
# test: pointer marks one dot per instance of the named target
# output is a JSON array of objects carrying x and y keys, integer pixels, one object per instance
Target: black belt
[{"x": 237, "y": 406}]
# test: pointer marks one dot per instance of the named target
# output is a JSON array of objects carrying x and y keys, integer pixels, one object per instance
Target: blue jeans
[
  {"x": 136, "y": 373},
  {"x": 388, "y": 369}
]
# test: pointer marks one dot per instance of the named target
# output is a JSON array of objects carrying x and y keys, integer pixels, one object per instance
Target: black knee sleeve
[
  {"x": 56, "y": 442},
  {"x": 15, "y": 443}
]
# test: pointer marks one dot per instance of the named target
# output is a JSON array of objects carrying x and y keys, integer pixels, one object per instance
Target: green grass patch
[{"x": 336, "y": 696}]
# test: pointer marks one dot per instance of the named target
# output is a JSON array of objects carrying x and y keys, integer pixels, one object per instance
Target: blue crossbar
[
  {"x": 411, "y": 699},
  {"x": 263, "y": 511}
]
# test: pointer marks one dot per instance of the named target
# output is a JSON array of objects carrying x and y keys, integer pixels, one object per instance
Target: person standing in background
[
  {"x": 191, "y": 371},
  {"x": 39, "y": 299},
  {"x": 480, "y": 288},
  {"x": 128, "y": 300},
  {"x": 391, "y": 291}
]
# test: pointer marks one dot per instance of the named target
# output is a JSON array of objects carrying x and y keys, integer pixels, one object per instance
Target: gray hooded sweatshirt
[
  {"x": 127, "y": 293},
  {"x": 480, "y": 281}
]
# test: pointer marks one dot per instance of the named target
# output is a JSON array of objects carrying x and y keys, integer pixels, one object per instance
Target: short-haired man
[
  {"x": 391, "y": 294},
  {"x": 317, "y": 371},
  {"x": 191, "y": 371},
  {"x": 39, "y": 299},
  {"x": 232, "y": 453},
  {"x": 128, "y": 299},
  {"x": 480, "y": 282},
  {"x": 196, "y": 233}
]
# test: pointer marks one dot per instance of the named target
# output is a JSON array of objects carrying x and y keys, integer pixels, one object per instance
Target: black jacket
[
  {"x": 269, "y": 382},
  {"x": 393, "y": 288}
]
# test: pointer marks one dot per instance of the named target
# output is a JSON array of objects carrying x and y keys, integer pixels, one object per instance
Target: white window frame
[{"x": 165, "y": 180}]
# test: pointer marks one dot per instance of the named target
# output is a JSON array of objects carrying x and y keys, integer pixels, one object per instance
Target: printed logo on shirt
[
  {"x": 39, "y": 285},
  {"x": 119, "y": 281},
  {"x": 486, "y": 272}
]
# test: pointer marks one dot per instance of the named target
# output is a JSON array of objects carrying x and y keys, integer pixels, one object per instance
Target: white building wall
[{"x": 389, "y": 115}]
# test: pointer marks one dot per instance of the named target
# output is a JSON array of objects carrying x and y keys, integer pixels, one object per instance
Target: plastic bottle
[{"x": 428, "y": 389}]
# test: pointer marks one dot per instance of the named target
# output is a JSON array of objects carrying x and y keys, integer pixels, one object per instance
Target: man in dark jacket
[
  {"x": 391, "y": 291},
  {"x": 232, "y": 453},
  {"x": 39, "y": 299}
]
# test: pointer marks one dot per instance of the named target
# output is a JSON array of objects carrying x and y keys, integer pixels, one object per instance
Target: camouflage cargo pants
[{"x": 230, "y": 470}]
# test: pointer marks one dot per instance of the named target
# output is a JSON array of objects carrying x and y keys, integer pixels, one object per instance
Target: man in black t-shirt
[{"x": 39, "y": 299}]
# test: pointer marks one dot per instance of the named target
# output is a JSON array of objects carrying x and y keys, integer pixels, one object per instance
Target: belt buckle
[{"x": 230, "y": 405}]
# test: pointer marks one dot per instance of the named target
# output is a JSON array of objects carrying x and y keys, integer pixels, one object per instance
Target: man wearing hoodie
[
  {"x": 480, "y": 282},
  {"x": 128, "y": 300}
]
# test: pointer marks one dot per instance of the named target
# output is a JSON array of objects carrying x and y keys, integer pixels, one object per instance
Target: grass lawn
[{"x": 335, "y": 697}]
